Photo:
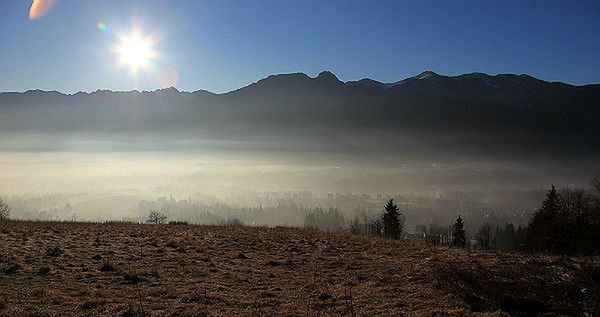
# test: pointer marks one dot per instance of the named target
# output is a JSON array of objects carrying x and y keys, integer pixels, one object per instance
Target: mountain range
[{"x": 506, "y": 114}]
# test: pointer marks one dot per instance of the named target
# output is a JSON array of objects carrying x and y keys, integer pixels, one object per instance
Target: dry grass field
[{"x": 119, "y": 269}]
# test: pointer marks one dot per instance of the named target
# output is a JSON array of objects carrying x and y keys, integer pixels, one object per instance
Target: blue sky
[{"x": 223, "y": 45}]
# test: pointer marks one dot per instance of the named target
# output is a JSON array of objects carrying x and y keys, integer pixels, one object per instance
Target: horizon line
[{"x": 283, "y": 74}]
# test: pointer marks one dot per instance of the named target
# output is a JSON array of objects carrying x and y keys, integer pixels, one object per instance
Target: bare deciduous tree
[
  {"x": 484, "y": 236},
  {"x": 4, "y": 210},
  {"x": 595, "y": 181},
  {"x": 156, "y": 217}
]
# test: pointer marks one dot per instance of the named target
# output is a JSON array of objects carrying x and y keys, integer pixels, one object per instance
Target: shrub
[
  {"x": 44, "y": 270},
  {"x": 54, "y": 251},
  {"x": 107, "y": 266},
  {"x": 13, "y": 268},
  {"x": 232, "y": 222},
  {"x": 156, "y": 217},
  {"x": 272, "y": 263},
  {"x": 133, "y": 277}
]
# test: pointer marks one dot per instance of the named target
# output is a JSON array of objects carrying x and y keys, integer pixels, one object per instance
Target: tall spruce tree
[
  {"x": 392, "y": 222},
  {"x": 543, "y": 233},
  {"x": 458, "y": 233}
]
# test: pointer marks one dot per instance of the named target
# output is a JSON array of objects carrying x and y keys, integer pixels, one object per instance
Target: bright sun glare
[{"x": 135, "y": 51}]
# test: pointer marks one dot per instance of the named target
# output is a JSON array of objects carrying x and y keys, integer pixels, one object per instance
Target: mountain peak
[
  {"x": 427, "y": 74},
  {"x": 285, "y": 77},
  {"x": 327, "y": 75},
  {"x": 167, "y": 90}
]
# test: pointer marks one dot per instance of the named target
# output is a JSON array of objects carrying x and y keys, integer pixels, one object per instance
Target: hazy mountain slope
[{"x": 471, "y": 112}]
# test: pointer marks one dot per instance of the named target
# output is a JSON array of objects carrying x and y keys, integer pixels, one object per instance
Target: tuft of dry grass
[
  {"x": 12, "y": 268},
  {"x": 189, "y": 270},
  {"x": 44, "y": 270},
  {"x": 107, "y": 266},
  {"x": 54, "y": 251}
]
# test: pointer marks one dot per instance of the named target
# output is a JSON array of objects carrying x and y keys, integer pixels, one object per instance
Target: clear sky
[{"x": 223, "y": 45}]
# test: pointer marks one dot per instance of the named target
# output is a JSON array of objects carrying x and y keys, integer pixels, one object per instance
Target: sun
[{"x": 135, "y": 51}]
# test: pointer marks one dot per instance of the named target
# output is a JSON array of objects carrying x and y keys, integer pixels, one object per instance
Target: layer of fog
[{"x": 101, "y": 185}]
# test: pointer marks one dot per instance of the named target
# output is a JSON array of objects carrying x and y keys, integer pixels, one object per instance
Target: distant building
[
  {"x": 412, "y": 235},
  {"x": 419, "y": 234},
  {"x": 365, "y": 197},
  {"x": 306, "y": 194}
]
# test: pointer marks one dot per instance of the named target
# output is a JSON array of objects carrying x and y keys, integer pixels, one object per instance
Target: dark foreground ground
[{"x": 85, "y": 269}]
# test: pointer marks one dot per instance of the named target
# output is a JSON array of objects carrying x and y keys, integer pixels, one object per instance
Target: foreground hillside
[{"x": 58, "y": 269}]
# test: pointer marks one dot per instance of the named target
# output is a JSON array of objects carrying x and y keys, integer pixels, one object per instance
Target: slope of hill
[{"x": 62, "y": 269}]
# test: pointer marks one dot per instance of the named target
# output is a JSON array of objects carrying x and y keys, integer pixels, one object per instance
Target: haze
[{"x": 189, "y": 107}]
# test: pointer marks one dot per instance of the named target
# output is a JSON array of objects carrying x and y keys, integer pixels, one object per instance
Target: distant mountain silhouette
[{"x": 472, "y": 112}]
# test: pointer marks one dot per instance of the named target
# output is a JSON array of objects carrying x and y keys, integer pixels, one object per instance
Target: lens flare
[
  {"x": 102, "y": 26},
  {"x": 39, "y": 8}
]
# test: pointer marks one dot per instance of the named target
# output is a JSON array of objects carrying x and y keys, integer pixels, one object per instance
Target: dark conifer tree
[
  {"x": 392, "y": 223},
  {"x": 459, "y": 234},
  {"x": 543, "y": 233},
  {"x": 498, "y": 238},
  {"x": 520, "y": 236},
  {"x": 509, "y": 236}
]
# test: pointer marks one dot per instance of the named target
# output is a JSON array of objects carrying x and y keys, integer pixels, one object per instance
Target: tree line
[
  {"x": 568, "y": 222},
  {"x": 390, "y": 224}
]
